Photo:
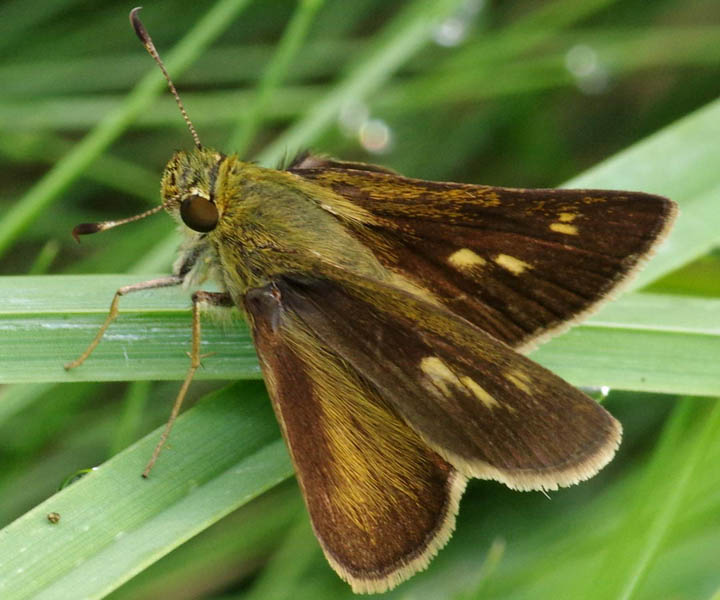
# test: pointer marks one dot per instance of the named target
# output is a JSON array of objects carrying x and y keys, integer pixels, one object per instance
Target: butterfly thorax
[{"x": 269, "y": 222}]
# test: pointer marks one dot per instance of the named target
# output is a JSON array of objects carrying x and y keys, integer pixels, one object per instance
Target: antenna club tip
[
  {"x": 85, "y": 229},
  {"x": 137, "y": 25}
]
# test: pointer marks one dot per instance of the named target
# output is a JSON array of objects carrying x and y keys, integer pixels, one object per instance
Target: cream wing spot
[
  {"x": 465, "y": 259},
  {"x": 443, "y": 377},
  {"x": 565, "y": 228},
  {"x": 512, "y": 264},
  {"x": 519, "y": 380},
  {"x": 479, "y": 392},
  {"x": 439, "y": 373},
  {"x": 567, "y": 217}
]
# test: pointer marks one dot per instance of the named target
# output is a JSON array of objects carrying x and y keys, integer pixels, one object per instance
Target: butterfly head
[{"x": 188, "y": 188}]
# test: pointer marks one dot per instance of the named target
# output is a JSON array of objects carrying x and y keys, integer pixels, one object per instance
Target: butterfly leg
[
  {"x": 181, "y": 271},
  {"x": 112, "y": 315},
  {"x": 198, "y": 299}
]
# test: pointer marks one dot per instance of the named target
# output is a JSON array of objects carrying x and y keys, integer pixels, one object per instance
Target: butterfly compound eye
[{"x": 199, "y": 214}]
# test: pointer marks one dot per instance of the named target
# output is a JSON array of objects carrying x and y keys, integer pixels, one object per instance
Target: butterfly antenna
[
  {"x": 88, "y": 228},
  {"x": 150, "y": 47}
]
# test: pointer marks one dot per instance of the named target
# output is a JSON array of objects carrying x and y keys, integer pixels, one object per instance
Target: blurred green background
[{"x": 524, "y": 94}]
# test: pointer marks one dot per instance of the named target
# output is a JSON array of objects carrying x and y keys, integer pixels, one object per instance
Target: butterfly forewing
[
  {"x": 381, "y": 501},
  {"x": 520, "y": 264}
]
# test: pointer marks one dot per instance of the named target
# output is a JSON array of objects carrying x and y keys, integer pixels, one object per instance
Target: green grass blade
[
  {"x": 235, "y": 544},
  {"x": 673, "y": 472},
  {"x": 114, "y": 523},
  {"x": 643, "y": 342},
  {"x": 283, "y": 571},
  {"x": 134, "y": 407}
]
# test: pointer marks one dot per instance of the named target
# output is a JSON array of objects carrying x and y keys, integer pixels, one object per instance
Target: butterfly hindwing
[
  {"x": 381, "y": 502},
  {"x": 520, "y": 264},
  {"x": 487, "y": 410}
]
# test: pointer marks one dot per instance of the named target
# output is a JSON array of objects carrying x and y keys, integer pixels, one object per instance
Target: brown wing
[
  {"x": 520, "y": 264},
  {"x": 489, "y": 411},
  {"x": 381, "y": 501}
]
